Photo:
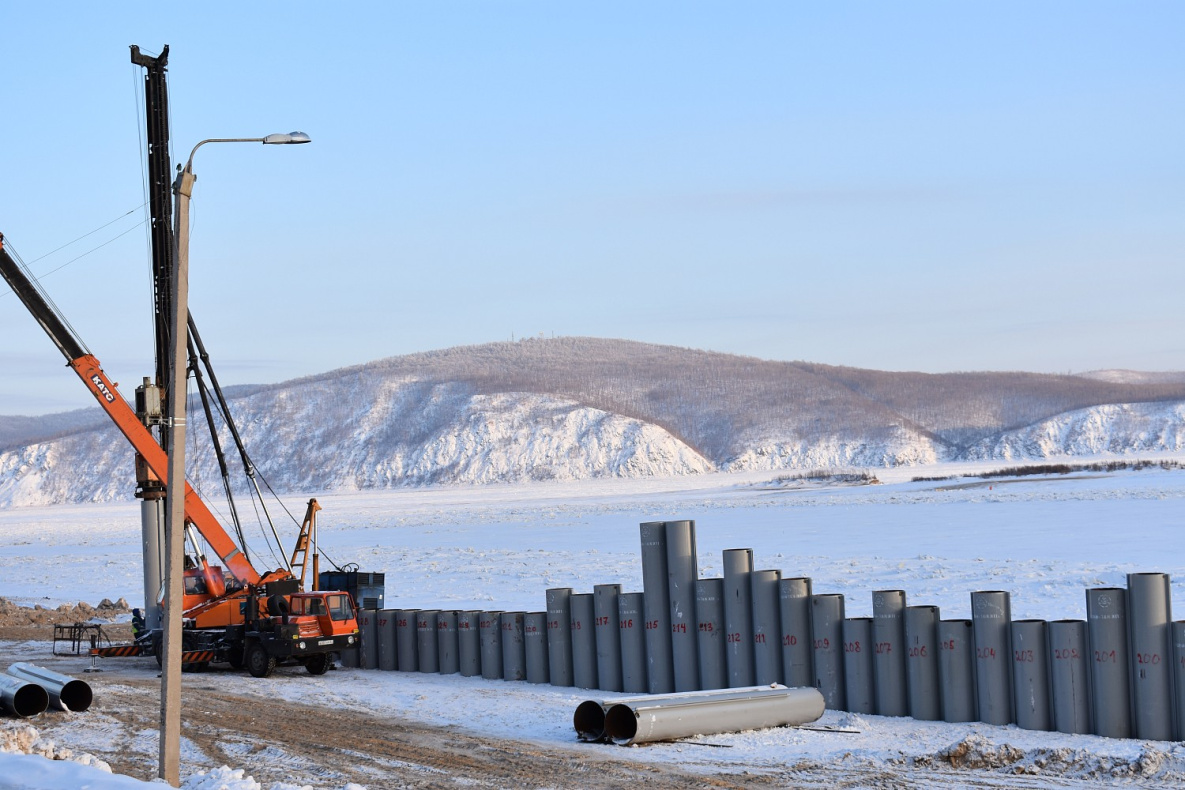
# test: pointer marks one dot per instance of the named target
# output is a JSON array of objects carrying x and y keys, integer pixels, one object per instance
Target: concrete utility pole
[
  {"x": 170, "y": 698},
  {"x": 170, "y": 691}
]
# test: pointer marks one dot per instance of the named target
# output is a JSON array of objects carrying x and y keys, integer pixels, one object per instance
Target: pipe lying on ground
[
  {"x": 22, "y": 698},
  {"x": 66, "y": 692},
  {"x": 644, "y": 723},
  {"x": 589, "y": 719}
]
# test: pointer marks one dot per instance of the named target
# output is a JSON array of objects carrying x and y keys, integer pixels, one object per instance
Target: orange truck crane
[{"x": 238, "y": 616}]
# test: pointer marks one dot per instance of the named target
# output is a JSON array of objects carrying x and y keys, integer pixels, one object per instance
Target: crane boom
[{"x": 88, "y": 369}]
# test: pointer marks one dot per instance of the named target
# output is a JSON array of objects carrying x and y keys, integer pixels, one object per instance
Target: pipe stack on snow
[
  {"x": 27, "y": 690},
  {"x": 1119, "y": 673}
]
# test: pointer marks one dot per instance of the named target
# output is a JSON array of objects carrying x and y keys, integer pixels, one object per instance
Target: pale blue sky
[{"x": 903, "y": 186}]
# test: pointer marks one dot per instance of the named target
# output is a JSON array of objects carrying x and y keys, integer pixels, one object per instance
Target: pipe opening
[
  {"x": 621, "y": 724},
  {"x": 589, "y": 721},
  {"x": 76, "y": 696},
  {"x": 29, "y": 700}
]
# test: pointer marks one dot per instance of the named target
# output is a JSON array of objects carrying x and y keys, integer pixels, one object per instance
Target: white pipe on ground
[
  {"x": 589, "y": 719},
  {"x": 64, "y": 691},
  {"x": 22, "y": 698},
  {"x": 665, "y": 721}
]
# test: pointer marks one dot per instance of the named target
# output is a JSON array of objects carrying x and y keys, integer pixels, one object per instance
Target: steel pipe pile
[
  {"x": 22, "y": 698},
  {"x": 65, "y": 692},
  {"x": 589, "y": 718},
  {"x": 1119, "y": 673},
  {"x": 647, "y": 722}
]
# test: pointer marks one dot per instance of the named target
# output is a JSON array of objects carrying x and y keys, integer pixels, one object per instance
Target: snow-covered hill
[
  {"x": 577, "y": 408},
  {"x": 1113, "y": 429}
]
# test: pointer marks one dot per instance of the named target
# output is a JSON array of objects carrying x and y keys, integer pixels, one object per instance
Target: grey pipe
[
  {"x": 645, "y": 723},
  {"x": 827, "y": 637},
  {"x": 709, "y": 616},
  {"x": 857, "y": 665},
  {"x": 1069, "y": 676},
  {"x": 888, "y": 659},
  {"x": 797, "y": 664},
  {"x": 388, "y": 659},
  {"x": 447, "y": 643},
  {"x": 64, "y": 691},
  {"x": 584, "y": 641},
  {"x": 490, "y": 628},
  {"x": 1030, "y": 675},
  {"x": 631, "y": 611},
  {"x": 1149, "y": 612},
  {"x": 956, "y": 669},
  {"x": 1178, "y": 633},
  {"x": 767, "y": 626},
  {"x": 589, "y": 718},
  {"x": 682, "y": 573},
  {"x": 1106, "y": 631},
  {"x": 406, "y": 645},
  {"x": 469, "y": 643},
  {"x": 514, "y": 649},
  {"x": 657, "y": 602},
  {"x": 559, "y": 635},
  {"x": 991, "y": 613},
  {"x": 921, "y": 662},
  {"x": 22, "y": 698},
  {"x": 738, "y": 617},
  {"x": 536, "y": 647},
  {"x": 368, "y": 625},
  {"x": 608, "y": 636},
  {"x": 427, "y": 647}
]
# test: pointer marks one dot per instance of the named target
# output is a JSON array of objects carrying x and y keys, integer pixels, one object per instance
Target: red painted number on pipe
[
  {"x": 823, "y": 644},
  {"x": 917, "y": 652},
  {"x": 851, "y": 647},
  {"x": 883, "y": 648},
  {"x": 789, "y": 640},
  {"x": 986, "y": 652}
]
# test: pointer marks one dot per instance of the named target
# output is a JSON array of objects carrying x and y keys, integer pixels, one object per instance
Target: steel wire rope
[
  {"x": 276, "y": 496},
  {"x": 36, "y": 280},
  {"x": 12, "y": 253}
]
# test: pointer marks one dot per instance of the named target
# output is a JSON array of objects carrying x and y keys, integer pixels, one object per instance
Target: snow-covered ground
[{"x": 1044, "y": 539}]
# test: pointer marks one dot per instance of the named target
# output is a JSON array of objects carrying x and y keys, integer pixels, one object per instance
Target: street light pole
[{"x": 172, "y": 647}]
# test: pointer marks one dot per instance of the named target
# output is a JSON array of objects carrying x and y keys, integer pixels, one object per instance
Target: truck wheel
[
  {"x": 318, "y": 664},
  {"x": 234, "y": 656},
  {"x": 259, "y": 663}
]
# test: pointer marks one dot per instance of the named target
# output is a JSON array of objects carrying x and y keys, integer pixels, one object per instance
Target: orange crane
[{"x": 249, "y": 619}]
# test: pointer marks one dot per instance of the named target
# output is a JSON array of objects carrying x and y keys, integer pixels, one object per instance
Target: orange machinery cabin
[
  {"x": 334, "y": 611},
  {"x": 211, "y": 601}
]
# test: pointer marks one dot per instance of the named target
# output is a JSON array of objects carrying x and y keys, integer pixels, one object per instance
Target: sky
[{"x": 906, "y": 186}]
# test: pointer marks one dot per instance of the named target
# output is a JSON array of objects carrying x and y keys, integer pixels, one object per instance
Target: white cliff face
[
  {"x": 1120, "y": 429},
  {"x": 407, "y": 433},
  {"x": 901, "y": 448}
]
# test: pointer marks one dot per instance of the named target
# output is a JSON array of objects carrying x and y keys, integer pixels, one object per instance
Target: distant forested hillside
[{"x": 568, "y": 408}]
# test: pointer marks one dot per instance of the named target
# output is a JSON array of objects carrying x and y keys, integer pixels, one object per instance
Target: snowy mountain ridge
[{"x": 578, "y": 408}]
